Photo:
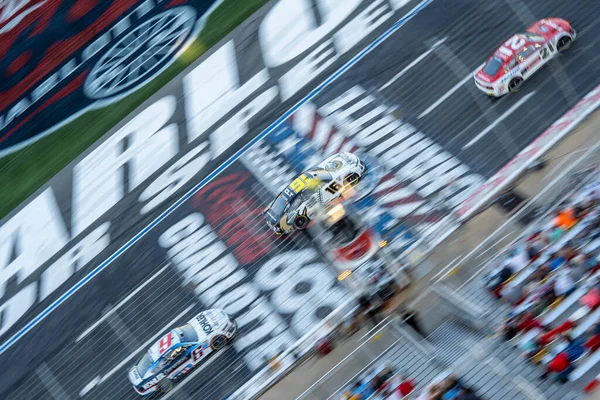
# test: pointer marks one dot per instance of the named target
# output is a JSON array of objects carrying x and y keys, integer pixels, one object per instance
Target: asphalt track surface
[{"x": 471, "y": 29}]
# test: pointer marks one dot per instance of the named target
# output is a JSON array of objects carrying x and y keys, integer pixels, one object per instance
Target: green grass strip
[{"x": 25, "y": 171}]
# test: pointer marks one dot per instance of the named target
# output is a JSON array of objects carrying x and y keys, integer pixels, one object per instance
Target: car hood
[{"x": 208, "y": 323}]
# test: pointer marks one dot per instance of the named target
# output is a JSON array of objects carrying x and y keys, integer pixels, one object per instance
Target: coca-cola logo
[{"x": 60, "y": 57}]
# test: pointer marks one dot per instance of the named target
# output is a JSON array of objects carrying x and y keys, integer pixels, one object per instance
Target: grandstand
[{"x": 466, "y": 321}]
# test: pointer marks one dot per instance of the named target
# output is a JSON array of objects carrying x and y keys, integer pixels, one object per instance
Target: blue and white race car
[{"x": 180, "y": 350}]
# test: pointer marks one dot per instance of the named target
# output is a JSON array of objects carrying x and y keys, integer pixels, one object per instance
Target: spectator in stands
[
  {"x": 562, "y": 363},
  {"x": 595, "y": 329},
  {"x": 541, "y": 272},
  {"x": 509, "y": 329},
  {"x": 513, "y": 294},
  {"x": 577, "y": 268},
  {"x": 564, "y": 219},
  {"x": 593, "y": 341},
  {"x": 591, "y": 299},
  {"x": 556, "y": 260},
  {"x": 564, "y": 285},
  {"x": 549, "y": 336},
  {"x": 588, "y": 262},
  {"x": 496, "y": 282},
  {"x": 569, "y": 252},
  {"x": 467, "y": 394},
  {"x": 533, "y": 252},
  {"x": 534, "y": 345},
  {"x": 406, "y": 386},
  {"x": 527, "y": 322}
]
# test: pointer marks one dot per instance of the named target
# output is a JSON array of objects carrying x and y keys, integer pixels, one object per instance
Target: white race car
[
  {"x": 522, "y": 55},
  {"x": 294, "y": 207},
  {"x": 180, "y": 350}
]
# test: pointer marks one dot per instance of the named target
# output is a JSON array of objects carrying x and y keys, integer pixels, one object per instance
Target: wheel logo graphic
[{"x": 140, "y": 54}]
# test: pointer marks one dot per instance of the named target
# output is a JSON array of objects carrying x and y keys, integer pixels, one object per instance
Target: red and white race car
[{"x": 522, "y": 55}]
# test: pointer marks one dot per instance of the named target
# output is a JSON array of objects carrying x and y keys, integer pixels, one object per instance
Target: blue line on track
[{"x": 212, "y": 175}]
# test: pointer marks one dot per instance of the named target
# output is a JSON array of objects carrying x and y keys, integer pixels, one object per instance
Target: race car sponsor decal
[
  {"x": 204, "y": 324},
  {"x": 276, "y": 297},
  {"x": 60, "y": 57}
]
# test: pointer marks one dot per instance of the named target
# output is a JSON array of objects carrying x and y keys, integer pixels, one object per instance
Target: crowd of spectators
[
  {"x": 384, "y": 384},
  {"x": 558, "y": 263},
  {"x": 388, "y": 385},
  {"x": 450, "y": 388}
]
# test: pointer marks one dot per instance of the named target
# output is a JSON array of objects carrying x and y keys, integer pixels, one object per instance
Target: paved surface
[
  {"x": 466, "y": 239},
  {"x": 58, "y": 366}
]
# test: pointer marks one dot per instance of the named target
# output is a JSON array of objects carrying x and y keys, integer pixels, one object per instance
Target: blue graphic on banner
[{"x": 301, "y": 154}]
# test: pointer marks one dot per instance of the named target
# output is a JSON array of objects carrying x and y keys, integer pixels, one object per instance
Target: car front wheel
[
  {"x": 218, "y": 342},
  {"x": 564, "y": 43}
]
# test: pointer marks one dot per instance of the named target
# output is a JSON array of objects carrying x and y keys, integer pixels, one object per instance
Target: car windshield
[
  {"x": 533, "y": 37},
  {"x": 187, "y": 333},
  {"x": 144, "y": 364},
  {"x": 493, "y": 66}
]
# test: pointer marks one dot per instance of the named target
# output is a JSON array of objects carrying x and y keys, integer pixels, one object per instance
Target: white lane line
[
  {"x": 412, "y": 64},
  {"x": 448, "y": 94},
  {"x": 125, "y": 300},
  {"x": 144, "y": 346},
  {"x": 216, "y": 171},
  {"x": 497, "y": 121},
  {"x": 196, "y": 372},
  {"x": 50, "y": 383},
  {"x": 122, "y": 331},
  {"x": 497, "y": 242}
]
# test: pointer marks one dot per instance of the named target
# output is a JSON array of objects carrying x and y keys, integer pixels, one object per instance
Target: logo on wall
[{"x": 59, "y": 58}]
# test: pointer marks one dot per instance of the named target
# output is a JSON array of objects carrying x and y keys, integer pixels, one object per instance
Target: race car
[
  {"x": 522, "y": 55},
  {"x": 180, "y": 350},
  {"x": 294, "y": 207}
]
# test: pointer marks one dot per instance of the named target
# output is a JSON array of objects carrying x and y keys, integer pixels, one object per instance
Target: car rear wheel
[
  {"x": 564, "y": 43},
  {"x": 301, "y": 222},
  {"x": 218, "y": 342},
  {"x": 515, "y": 84},
  {"x": 165, "y": 385}
]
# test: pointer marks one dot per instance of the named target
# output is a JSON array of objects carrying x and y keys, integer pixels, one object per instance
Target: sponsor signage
[
  {"x": 275, "y": 297},
  {"x": 61, "y": 57},
  {"x": 89, "y": 210}
]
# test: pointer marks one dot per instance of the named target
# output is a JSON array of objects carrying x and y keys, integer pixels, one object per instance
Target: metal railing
[{"x": 490, "y": 251}]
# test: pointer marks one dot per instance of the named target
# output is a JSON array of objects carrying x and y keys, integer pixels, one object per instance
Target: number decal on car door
[
  {"x": 333, "y": 188},
  {"x": 197, "y": 353},
  {"x": 515, "y": 43}
]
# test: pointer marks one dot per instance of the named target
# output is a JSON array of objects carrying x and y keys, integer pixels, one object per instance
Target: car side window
[
  {"x": 526, "y": 52},
  {"x": 511, "y": 64}
]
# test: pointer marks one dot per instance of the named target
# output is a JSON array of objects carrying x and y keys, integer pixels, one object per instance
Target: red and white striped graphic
[{"x": 525, "y": 158}]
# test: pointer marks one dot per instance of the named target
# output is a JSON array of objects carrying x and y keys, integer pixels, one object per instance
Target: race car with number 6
[
  {"x": 522, "y": 55},
  {"x": 180, "y": 350},
  {"x": 294, "y": 207}
]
